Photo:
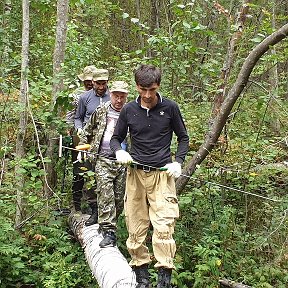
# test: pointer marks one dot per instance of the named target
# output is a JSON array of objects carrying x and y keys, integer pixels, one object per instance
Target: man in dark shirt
[
  {"x": 78, "y": 180},
  {"x": 87, "y": 104},
  {"x": 150, "y": 192},
  {"x": 93, "y": 98}
]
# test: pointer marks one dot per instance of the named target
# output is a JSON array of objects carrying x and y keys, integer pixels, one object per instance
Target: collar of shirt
[
  {"x": 160, "y": 100},
  {"x": 107, "y": 93}
]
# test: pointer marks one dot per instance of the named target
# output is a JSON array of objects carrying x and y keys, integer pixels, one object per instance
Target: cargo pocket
[{"x": 168, "y": 207}]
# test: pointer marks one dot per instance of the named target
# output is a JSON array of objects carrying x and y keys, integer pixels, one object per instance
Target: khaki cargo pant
[{"x": 150, "y": 196}]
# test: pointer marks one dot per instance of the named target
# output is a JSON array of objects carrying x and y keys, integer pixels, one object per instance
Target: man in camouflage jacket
[{"x": 110, "y": 175}]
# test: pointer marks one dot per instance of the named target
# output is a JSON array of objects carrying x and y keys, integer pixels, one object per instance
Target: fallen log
[
  {"x": 108, "y": 265},
  {"x": 224, "y": 283}
]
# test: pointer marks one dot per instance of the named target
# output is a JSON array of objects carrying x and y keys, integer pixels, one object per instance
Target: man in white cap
[
  {"x": 86, "y": 78},
  {"x": 110, "y": 175},
  {"x": 88, "y": 102}
]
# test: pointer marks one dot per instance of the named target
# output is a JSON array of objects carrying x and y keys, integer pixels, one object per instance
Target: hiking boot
[
  {"x": 142, "y": 276},
  {"x": 77, "y": 207},
  {"x": 93, "y": 219},
  {"x": 164, "y": 277},
  {"x": 109, "y": 239}
]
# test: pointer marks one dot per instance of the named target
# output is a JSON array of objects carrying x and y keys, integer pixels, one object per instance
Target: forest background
[{"x": 233, "y": 203}]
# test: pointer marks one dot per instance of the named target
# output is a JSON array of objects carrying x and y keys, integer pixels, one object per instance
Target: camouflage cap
[
  {"x": 87, "y": 73},
  {"x": 100, "y": 74},
  {"x": 120, "y": 86}
]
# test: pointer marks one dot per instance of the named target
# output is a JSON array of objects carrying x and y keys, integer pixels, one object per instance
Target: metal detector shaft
[
  {"x": 69, "y": 148},
  {"x": 84, "y": 151}
]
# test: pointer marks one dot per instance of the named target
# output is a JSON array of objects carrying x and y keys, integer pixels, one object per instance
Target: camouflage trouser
[
  {"x": 110, "y": 177},
  {"x": 150, "y": 197}
]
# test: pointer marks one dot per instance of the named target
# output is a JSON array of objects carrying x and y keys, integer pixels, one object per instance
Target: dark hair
[{"x": 147, "y": 74}]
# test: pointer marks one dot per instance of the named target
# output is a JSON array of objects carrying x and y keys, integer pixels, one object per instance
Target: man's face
[
  {"x": 100, "y": 87},
  {"x": 88, "y": 84},
  {"x": 118, "y": 99},
  {"x": 148, "y": 95}
]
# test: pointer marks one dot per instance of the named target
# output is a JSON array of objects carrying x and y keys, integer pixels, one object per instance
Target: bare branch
[{"x": 220, "y": 120}]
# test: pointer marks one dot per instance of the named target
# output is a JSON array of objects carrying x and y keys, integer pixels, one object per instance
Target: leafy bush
[{"x": 43, "y": 255}]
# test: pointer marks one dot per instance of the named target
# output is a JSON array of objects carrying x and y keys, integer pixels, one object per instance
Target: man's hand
[
  {"x": 173, "y": 169},
  {"x": 82, "y": 157},
  {"x": 79, "y": 132},
  {"x": 123, "y": 157}
]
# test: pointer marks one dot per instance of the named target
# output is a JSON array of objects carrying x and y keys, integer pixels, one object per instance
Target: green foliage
[
  {"x": 43, "y": 255},
  {"x": 13, "y": 252},
  {"x": 63, "y": 258},
  {"x": 89, "y": 177},
  {"x": 224, "y": 233}
]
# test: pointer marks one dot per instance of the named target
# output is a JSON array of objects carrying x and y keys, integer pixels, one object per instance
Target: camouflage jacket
[{"x": 94, "y": 129}]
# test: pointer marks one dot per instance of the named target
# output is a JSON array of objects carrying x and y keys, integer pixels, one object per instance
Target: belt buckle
[{"x": 146, "y": 169}]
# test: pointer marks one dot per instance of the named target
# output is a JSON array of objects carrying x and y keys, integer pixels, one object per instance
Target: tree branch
[{"x": 220, "y": 120}]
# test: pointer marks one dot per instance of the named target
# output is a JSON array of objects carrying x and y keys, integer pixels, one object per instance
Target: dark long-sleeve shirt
[
  {"x": 151, "y": 132},
  {"x": 87, "y": 104}
]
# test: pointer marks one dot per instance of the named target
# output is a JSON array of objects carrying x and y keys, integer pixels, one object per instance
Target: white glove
[
  {"x": 173, "y": 169},
  {"x": 82, "y": 157},
  {"x": 123, "y": 157}
]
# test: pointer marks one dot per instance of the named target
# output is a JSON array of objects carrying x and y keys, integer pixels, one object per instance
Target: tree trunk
[
  {"x": 4, "y": 56},
  {"x": 220, "y": 120},
  {"x": 60, "y": 45},
  {"x": 232, "y": 47},
  {"x": 58, "y": 59},
  {"x": 154, "y": 22},
  {"x": 274, "y": 85},
  {"x": 138, "y": 9},
  {"x": 20, "y": 152},
  {"x": 155, "y": 18},
  {"x": 167, "y": 13},
  {"x": 107, "y": 265}
]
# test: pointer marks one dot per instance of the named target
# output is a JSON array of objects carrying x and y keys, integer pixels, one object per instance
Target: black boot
[
  {"x": 77, "y": 207},
  {"x": 142, "y": 276},
  {"x": 93, "y": 219},
  {"x": 78, "y": 182},
  {"x": 109, "y": 239},
  {"x": 164, "y": 277}
]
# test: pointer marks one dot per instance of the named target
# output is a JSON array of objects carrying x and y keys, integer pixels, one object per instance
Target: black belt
[{"x": 143, "y": 167}]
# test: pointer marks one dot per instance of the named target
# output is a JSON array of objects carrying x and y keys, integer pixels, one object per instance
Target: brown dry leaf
[{"x": 39, "y": 237}]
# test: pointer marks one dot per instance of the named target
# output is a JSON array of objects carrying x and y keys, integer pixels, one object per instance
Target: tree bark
[
  {"x": 58, "y": 59},
  {"x": 232, "y": 47},
  {"x": 20, "y": 152},
  {"x": 4, "y": 55},
  {"x": 220, "y": 120},
  {"x": 155, "y": 18},
  {"x": 60, "y": 45},
  {"x": 274, "y": 85},
  {"x": 138, "y": 10},
  {"x": 107, "y": 265}
]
